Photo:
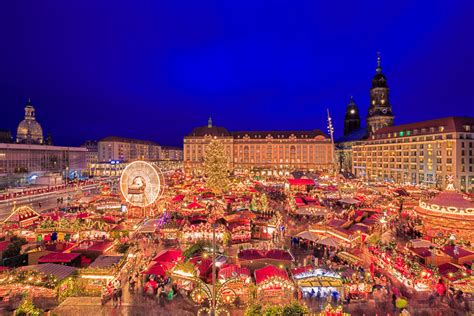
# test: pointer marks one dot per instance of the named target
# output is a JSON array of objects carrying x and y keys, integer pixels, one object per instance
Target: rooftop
[
  {"x": 105, "y": 261},
  {"x": 218, "y": 131},
  {"x": 59, "y": 271},
  {"x": 441, "y": 125},
  {"x": 279, "y": 134},
  {"x": 127, "y": 140},
  {"x": 58, "y": 257},
  {"x": 451, "y": 199},
  {"x": 269, "y": 272}
]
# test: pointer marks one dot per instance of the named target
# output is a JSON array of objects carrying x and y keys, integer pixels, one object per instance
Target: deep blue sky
[{"x": 156, "y": 69}]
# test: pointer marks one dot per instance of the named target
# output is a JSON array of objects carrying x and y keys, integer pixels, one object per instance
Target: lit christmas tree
[
  {"x": 216, "y": 167},
  {"x": 263, "y": 203}
]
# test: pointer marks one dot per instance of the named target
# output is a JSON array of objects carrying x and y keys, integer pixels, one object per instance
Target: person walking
[
  {"x": 394, "y": 301},
  {"x": 114, "y": 298}
]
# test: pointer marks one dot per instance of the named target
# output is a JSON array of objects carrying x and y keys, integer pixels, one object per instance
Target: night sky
[{"x": 156, "y": 69}]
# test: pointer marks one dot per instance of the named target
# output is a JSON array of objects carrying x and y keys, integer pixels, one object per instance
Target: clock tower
[{"x": 380, "y": 111}]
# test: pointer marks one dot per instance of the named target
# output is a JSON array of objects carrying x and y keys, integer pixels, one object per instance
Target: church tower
[
  {"x": 352, "y": 118},
  {"x": 380, "y": 111}
]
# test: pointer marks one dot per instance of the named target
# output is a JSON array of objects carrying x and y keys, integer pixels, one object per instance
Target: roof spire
[
  {"x": 209, "y": 122},
  {"x": 379, "y": 66}
]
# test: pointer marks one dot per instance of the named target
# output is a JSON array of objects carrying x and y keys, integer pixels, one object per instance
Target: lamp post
[
  {"x": 333, "y": 146},
  {"x": 213, "y": 306}
]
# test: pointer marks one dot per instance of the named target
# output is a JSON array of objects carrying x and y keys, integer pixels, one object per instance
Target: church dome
[{"x": 29, "y": 131}]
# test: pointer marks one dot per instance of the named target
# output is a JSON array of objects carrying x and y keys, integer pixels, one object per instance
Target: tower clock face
[
  {"x": 371, "y": 112},
  {"x": 384, "y": 111}
]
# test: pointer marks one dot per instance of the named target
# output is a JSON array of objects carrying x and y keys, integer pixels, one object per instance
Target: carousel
[{"x": 448, "y": 213}]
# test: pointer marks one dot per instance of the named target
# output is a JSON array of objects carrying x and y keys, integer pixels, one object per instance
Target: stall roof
[
  {"x": 157, "y": 269},
  {"x": 255, "y": 254},
  {"x": 268, "y": 272},
  {"x": 300, "y": 270},
  {"x": 250, "y": 254},
  {"x": 279, "y": 254},
  {"x": 178, "y": 198},
  {"x": 195, "y": 205},
  {"x": 60, "y": 246},
  {"x": 449, "y": 250},
  {"x": 349, "y": 201},
  {"x": 308, "y": 235},
  {"x": 447, "y": 268},
  {"x": 101, "y": 246},
  {"x": 301, "y": 181},
  {"x": 169, "y": 255},
  {"x": 233, "y": 271},
  {"x": 202, "y": 264},
  {"x": 58, "y": 257},
  {"x": 59, "y": 271},
  {"x": 4, "y": 245},
  {"x": 103, "y": 261}
]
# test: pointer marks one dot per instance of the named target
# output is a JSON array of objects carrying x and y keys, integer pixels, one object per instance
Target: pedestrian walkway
[{"x": 80, "y": 306}]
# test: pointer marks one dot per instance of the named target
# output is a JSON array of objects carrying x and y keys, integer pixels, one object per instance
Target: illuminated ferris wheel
[{"x": 141, "y": 183}]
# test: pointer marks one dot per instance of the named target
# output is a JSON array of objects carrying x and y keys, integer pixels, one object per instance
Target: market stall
[
  {"x": 315, "y": 282},
  {"x": 203, "y": 231},
  {"x": 273, "y": 285},
  {"x": 256, "y": 258},
  {"x": 101, "y": 271},
  {"x": 242, "y": 279}
]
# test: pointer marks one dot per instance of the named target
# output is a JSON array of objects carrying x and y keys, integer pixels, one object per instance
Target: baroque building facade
[
  {"x": 122, "y": 149},
  {"x": 425, "y": 152},
  {"x": 264, "y": 152}
]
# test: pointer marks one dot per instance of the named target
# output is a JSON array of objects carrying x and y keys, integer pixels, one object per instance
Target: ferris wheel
[{"x": 141, "y": 183}]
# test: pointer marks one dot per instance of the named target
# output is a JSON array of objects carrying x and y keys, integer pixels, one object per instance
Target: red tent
[
  {"x": 4, "y": 245},
  {"x": 157, "y": 269},
  {"x": 178, "y": 198},
  {"x": 202, "y": 264},
  {"x": 233, "y": 271},
  {"x": 269, "y": 272},
  {"x": 301, "y": 181},
  {"x": 169, "y": 255}
]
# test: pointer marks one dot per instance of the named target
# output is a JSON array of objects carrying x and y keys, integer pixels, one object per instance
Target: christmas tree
[
  {"x": 263, "y": 203},
  {"x": 254, "y": 203},
  {"x": 216, "y": 167}
]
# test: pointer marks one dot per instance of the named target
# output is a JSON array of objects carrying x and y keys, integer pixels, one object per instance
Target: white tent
[
  {"x": 420, "y": 243},
  {"x": 329, "y": 241},
  {"x": 303, "y": 211},
  {"x": 349, "y": 201},
  {"x": 308, "y": 235}
]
